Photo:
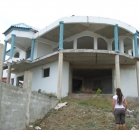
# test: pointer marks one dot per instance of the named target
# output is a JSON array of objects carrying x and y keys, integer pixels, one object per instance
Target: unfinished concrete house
[{"x": 75, "y": 52}]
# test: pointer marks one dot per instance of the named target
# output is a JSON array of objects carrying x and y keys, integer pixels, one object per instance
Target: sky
[{"x": 41, "y": 13}]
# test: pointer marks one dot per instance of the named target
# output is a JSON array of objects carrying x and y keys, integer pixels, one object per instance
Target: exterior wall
[
  {"x": 42, "y": 49},
  {"x": 13, "y": 101},
  {"x": 129, "y": 81},
  {"x": 47, "y": 84}
]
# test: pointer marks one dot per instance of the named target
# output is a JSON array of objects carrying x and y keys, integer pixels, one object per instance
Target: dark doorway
[
  {"x": 91, "y": 80},
  {"x": 76, "y": 83}
]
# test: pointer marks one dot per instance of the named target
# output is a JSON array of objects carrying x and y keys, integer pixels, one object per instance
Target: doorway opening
[
  {"x": 84, "y": 80},
  {"x": 20, "y": 81}
]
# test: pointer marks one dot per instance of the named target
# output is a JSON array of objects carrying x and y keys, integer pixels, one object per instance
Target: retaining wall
[{"x": 13, "y": 106}]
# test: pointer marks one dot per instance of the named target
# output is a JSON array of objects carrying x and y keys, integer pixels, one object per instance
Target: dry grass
[
  {"x": 86, "y": 90},
  {"x": 83, "y": 112}
]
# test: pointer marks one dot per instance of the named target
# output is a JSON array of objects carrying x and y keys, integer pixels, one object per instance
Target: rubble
[
  {"x": 37, "y": 128},
  {"x": 60, "y": 105}
]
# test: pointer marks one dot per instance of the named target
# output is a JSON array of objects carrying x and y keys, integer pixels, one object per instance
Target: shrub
[
  {"x": 98, "y": 91},
  {"x": 39, "y": 91}
]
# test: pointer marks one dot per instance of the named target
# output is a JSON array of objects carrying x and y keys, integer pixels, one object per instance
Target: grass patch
[
  {"x": 96, "y": 102},
  {"x": 89, "y": 124}
]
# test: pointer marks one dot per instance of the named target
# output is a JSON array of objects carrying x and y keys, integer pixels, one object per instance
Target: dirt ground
[{"x": 86, "y": 112}]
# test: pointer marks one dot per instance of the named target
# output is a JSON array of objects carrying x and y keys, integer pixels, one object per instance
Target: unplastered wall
[
  {"x": 128, "y": 81},
  {"x": 16, "y": 106},
  {"x": 42, "y": 49},
  {"x": 47, "y": 84}
]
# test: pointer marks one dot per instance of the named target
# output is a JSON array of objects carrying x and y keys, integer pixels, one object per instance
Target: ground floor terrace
[{"x": 68, "y": 71}]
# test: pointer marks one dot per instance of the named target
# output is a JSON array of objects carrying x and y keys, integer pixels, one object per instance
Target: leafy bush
[{"x": 98, "y": 91}]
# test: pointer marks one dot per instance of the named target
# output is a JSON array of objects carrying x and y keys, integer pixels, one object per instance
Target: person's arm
[
  {"x": 125, "y": 104},
  {"x": 113, "y": 105}
]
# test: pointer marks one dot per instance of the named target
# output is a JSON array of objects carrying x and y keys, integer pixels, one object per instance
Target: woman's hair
[{"x": 120, "y": 95}]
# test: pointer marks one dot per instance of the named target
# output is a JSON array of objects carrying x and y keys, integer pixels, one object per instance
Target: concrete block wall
[
  {"x": 13, "y": 106},
  {"x": 42, "y": 104}
]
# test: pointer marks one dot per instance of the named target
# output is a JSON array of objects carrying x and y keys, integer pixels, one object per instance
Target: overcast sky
[{"x": 40, "y": 13}]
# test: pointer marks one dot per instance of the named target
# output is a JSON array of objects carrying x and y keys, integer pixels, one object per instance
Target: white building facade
[{"x": 75, "y": 52}]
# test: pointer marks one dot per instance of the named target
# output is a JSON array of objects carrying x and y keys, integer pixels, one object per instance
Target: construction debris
[
  {"x": 60, "y": 105},
  {"x": 37, "y": 128}
]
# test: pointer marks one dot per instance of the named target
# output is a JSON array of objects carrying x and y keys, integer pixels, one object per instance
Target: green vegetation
[
  {"x": 83, "y": 112},
  {"x": 98, "y": 92}
]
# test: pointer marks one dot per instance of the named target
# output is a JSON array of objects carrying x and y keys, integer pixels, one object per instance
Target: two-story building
[{"x": 75, "y": 52}]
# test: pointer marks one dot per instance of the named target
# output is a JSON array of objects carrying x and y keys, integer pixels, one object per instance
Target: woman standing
[{"x": 119, "y": 106}]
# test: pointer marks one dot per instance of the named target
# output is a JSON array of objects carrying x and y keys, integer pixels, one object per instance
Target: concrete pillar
[
  {"x": 5, "y": 48},
  {"x": 27, "y": 84},
  {"x": 32, "y": 49},
  {"x": 1, "y": 61},
  {"x": 61, "y": 35},
  {"x": 12, "y": 45},
  {"x": 70, "y": 80},
  {"x": 95, "y": 43},
  {"x": 135, "y": 45},
  {"x": 121, "y": 45},
  {"x": 117, "y": 71},
  {"x": 75, "y": 44},
  {"x": 116, "y": 38},
  {"x": 60, "y": 70},
  {"x": 137, "y": 73},
  {"x": 9, "y": 74}
]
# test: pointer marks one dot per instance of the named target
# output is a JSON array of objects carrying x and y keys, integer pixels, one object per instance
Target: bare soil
[{"x": 86, "y": 112}]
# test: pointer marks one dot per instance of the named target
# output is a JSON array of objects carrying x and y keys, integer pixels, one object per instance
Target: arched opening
[
  {"x": 16, "y": 55},
  {"x": 102, "y": 44},
  {"x": 128, "y": 46},
  {"x": 113, "y": 46},
  {"x": 68, "y": 45},
  {"x": 85, "y": 42}
]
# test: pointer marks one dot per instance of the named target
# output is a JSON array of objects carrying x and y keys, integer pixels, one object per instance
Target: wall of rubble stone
[{"x": 13, "y": 106}]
